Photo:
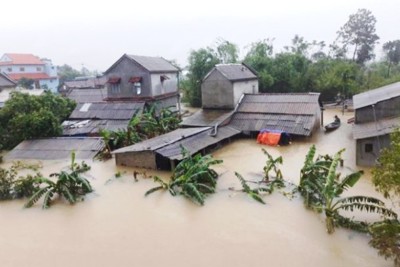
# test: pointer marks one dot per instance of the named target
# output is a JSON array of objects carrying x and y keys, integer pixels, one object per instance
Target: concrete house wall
[
  {"x": 160, "y": 86},
  {"x": 217, "y": 91},
  {"x": 244, "y": 87},
  {"x": 368, "y": 149},
  {"x": 142, "y": 159},
  {"x": 384, "y": 109}
]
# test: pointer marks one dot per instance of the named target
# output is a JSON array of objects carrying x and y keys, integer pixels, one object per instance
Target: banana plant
[
  {"x": 70, "y": 185},
  {"x": 193, "y": 178},
  {"x": 321, "y": 187}
]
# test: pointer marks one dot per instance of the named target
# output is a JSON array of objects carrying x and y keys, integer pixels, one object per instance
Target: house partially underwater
[
  {"x": 238, "y": 110},
  {"x": 377, "y": 114}
]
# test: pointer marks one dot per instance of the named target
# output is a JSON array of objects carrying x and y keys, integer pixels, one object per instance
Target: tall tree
[
  {"x": 200, "y": 63},
  {"x": 227, "y": 52},
  {"x": 359, "y": 32},
  {"x": 392, "y": 53},
  {"x": 259, "y": 57}
]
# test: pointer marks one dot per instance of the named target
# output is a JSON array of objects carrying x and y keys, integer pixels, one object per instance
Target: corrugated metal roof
[
  {"x": 281, "y": 98},
  {"x": 88, "y": 95},
  {"x": 374, "y": 96},
  {"x": 293, "y": 124},
  {"x": 371, "y": 129},
  {"x": 154, "y": 64},
  {"x": 107, "y": 110},
  {"x": 234, "y": 72},
  {"x": 57, "y": 148},
  {"x": 90, "y": 127},
  {"x": 206, "y": 117},
  {"x": 279, "y": 108},
  {"x": 162, "y": 140},
  {"x": 196, "y": 142}
]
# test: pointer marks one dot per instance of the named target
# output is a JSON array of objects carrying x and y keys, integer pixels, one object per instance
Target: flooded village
[
  {"x": 273, "y": 159},
  {"x": 118, "y": 225}
]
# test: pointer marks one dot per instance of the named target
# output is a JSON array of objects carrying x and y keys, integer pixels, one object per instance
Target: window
[
  {"x": 115, "y": 88},
  {"x": 138, "y": 88},
  {"x": 163, "y": 78},
  {"x": 369, "y": 148},
  {"x": 38, "y": 69},
  {"x": 21, "y": 69},
  {"x": 9, "y": 69}
]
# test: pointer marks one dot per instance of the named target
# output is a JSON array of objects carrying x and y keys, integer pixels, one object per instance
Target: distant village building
[
  {"x": 141, "y": 78},
  {"x": 5, "y": 94},
  {"x": 42, "y": 71},
  {"x": 223, "y": 86},
  {"x": 6, "y": 82},
  {"x": 377, "y": 114}
]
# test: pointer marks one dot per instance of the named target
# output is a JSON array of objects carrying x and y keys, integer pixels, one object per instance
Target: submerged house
[
  {"x": 57, "y": 148},
  {"x": 377, "y": 114},
  {"x": 88, "y": 119},
  {"x": 152, "y": 80},
  {"x": 298, "y": 114},
  {"x": 221, "y": 90},
  {"x": 164, "y": 151}
]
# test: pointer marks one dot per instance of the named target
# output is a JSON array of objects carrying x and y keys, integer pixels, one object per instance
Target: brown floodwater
[{"x": 118, "y": 226}]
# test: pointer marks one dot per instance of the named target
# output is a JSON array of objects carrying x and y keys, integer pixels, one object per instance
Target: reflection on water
[{"x": 118, "y": 226}]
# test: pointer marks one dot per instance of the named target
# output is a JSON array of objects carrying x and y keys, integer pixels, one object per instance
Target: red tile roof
[
  {"x": 34, "y": 76},
  {"x": 22, "y": 59}
]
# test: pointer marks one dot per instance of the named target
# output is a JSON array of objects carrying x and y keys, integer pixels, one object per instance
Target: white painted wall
[
  {"x": 168, "y": 86},
  {"x": 244, "y": 87}
]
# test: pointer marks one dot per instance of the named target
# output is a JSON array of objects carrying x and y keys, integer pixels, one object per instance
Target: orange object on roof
[{"x": 269, "y": 138}]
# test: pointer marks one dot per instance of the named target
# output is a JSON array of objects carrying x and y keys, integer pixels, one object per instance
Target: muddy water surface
[{"x": 118, "y": 226}]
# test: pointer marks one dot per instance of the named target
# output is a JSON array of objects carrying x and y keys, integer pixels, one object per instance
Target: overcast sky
[{"x": 95, "y": 34}]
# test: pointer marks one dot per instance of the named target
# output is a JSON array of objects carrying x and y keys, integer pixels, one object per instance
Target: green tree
[
  {"x": 386, "y": 174},
  {"x": 200, "y": 63},
  {"x": 227, "y": 52},
  {"x": 26, "y": 83},
  {"x": 67, "y": 73},
  {"x": 359, "y": 32},
  {"x": 25, "y": 117},
  {"x": 392, "y": 53},
  {"x": 259, "y": 57}
]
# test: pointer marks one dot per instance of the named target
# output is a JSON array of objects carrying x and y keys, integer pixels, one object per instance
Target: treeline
[{"x": 343, "y": 68}]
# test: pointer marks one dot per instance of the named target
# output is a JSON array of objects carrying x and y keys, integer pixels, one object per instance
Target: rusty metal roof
[
  {"x": 162, "y": 140},
  {"x": 107, "y": 110},
  {"x": 207, "y": 117},
  {"x": 90, "y": 127},
  {"x": 57, "y": 148},
  {"x": 196, "y": 142},
  {"x": 377, "y": 95},
  {"x": 88, "y": 95},
  {"x": 371, "y": 129},
  {"x": 293, "y": 124}
]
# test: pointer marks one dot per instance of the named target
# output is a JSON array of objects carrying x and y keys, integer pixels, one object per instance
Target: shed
[
  {"x": 57, "y": 148},
  {"x": 163, "y": 152},
  {"x": 377, "y": 114},
  {"x": 297, "y": 114}
]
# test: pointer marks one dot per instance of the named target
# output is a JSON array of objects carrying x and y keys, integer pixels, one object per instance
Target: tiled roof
[
  {"x": 22, "y": 59},
  {"x": 371, "y": 129},
  {"x": 57, "y": 148},
  {"x": 34, "y": 76},
  {"x": 234, "y": 72},
  {"x": 88, "y": 95},
  {"x": 374, "y": 96},
  {"x": 154, "y": 64},
  {"x": 92, "y": 127},
  {"x": 106, "y": 111}
]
